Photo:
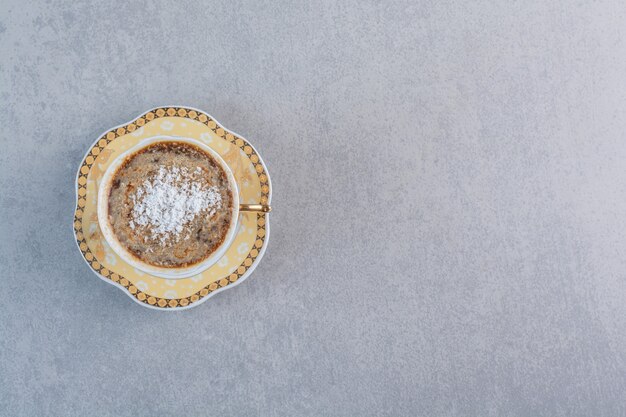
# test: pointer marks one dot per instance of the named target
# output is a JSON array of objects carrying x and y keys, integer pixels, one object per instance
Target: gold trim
[
  {"x": 115, "y": 133},
  {"x": 256, "y": 208}
]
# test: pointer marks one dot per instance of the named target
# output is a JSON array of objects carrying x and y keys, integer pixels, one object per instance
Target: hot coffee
[{"x": 170, "y": 204}]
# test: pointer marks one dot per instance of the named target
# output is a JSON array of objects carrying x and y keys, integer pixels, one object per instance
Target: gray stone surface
[{"x": 449, "y": 234}]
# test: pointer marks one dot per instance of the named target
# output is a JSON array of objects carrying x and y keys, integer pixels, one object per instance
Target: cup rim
[{"x": 125, "y": 255}]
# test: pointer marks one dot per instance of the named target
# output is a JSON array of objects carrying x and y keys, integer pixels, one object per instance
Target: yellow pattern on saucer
[{"x": 254, "y": 187}]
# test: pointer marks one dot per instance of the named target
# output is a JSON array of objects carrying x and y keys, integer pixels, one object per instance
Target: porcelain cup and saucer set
[{"x": 228, "y": 265}]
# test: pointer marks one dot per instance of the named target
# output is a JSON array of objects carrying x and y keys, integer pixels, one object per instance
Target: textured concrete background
[{"x": 449, "y": 234}]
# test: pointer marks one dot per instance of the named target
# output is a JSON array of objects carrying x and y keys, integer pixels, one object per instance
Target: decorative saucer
[{"x": 242, "y": 256}]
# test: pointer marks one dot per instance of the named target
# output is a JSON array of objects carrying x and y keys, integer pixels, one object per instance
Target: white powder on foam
[{"x": 170, "y": 200}]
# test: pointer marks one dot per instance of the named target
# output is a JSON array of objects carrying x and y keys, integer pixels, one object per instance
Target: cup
[{"x": 172, "y": 272}]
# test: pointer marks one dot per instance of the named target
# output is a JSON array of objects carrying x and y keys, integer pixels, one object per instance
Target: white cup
[{"x": 122, "y": 252}]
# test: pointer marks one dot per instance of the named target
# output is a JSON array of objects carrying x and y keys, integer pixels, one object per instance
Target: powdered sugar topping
[{"x": 166, "y": 202}]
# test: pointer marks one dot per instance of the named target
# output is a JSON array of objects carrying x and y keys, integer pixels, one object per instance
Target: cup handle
[{"x": 257, "y": 208}]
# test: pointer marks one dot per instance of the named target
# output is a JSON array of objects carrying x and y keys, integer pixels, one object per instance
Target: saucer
[{"x": 251, "y": 239}]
